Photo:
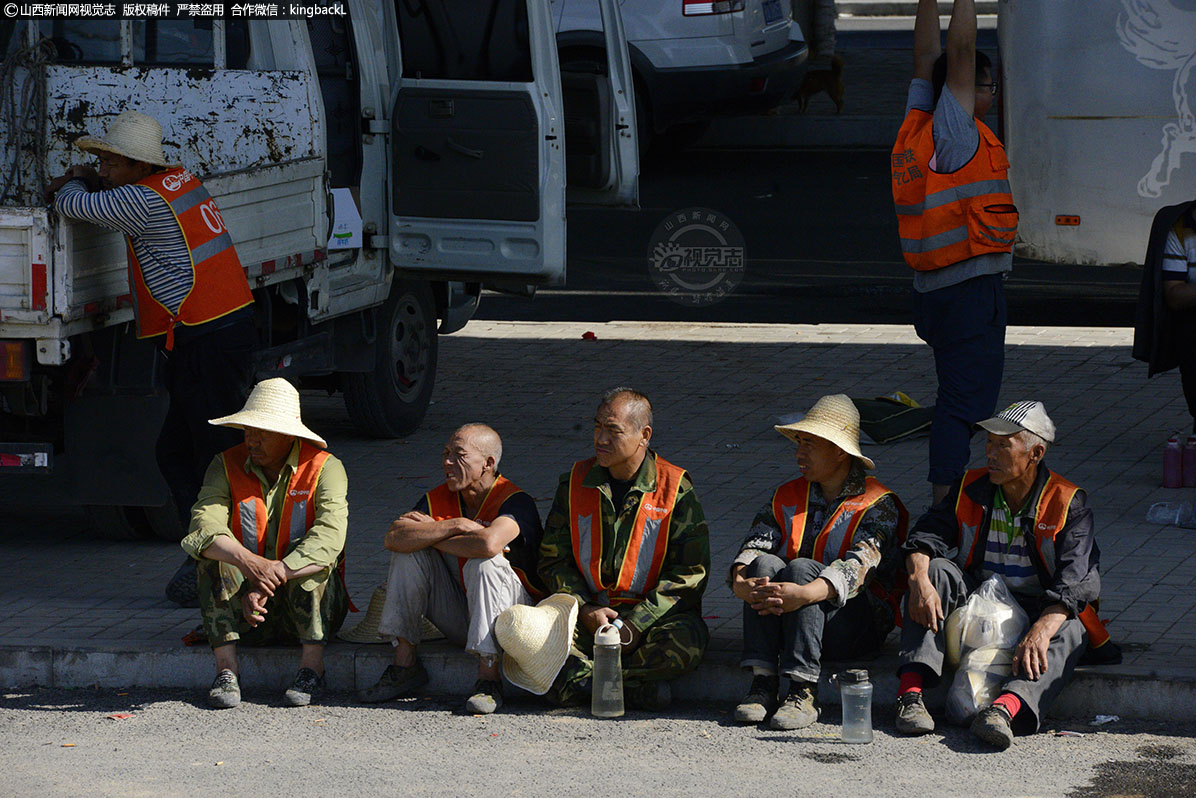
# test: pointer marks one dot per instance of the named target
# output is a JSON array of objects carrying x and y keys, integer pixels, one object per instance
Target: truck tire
[
  {"x": 391, "y": 400},
  {"x": 114, "y": 522},
  {"x": 159, "y": 522}
]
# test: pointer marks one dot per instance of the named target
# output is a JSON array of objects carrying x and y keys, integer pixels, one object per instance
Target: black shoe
[
  {"x": 395, "y": 682},
  {"x": 653, "y": 696},
  {"x": 994, "y": 726},
  {"x": 306, "y": 689},
  {"x": 912, "y": 717},
  {"x": 761, "y": 700},
  {"x": 183, "y": 588}
]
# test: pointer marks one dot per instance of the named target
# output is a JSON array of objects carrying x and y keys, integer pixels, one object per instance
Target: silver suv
[{"x": 693, "y": 59}]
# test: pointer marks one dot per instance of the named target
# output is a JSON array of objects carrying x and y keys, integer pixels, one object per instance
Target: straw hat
[
  {"x": 535, "y": 641},
  {"x": 835, "y": 419},
  {"x": 133, "y": 135},
  {"x": 273, "y": 406},
  {"x": 367, "y": 630}
]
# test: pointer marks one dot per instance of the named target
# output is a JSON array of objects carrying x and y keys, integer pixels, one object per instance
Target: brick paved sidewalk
[{"x": 717, "y": 390}]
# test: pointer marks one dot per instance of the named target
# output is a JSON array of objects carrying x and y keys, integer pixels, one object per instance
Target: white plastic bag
[{"x": 981, "y": 637}]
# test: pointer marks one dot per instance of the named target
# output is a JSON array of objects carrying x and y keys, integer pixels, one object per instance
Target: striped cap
[{"x": 1030, "y": 416}]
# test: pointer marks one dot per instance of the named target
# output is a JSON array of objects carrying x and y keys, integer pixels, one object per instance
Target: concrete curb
[{"x": 1130, "y": 692}]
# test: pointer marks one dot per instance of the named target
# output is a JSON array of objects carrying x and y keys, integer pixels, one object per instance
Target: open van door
[
  {"x": 601, "y": 150},
  {"x": 477, "y": 167}
]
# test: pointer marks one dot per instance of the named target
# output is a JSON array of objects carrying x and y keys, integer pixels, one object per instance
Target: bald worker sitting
[{"x": 462, "y": 556}]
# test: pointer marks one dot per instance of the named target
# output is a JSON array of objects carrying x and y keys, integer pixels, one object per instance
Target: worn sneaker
[
  {"x": 760, "y": 701},
  {"x": 225, "y": 692},
  {"x": 486, "y": 698},
  {"x": 994, "y": 726},
  {"x": 653, "y": 696},
  {"x": 798, "y": 710},
  {"x": 395, "y": 682},
  {"x": 307, "y": 687},
  {"x": 912, "y": 717}
]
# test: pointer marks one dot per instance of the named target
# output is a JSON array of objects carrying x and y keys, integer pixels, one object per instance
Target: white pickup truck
[{"x": 374, "y": 170}]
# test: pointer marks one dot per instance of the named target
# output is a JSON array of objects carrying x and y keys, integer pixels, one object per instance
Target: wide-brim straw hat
[
  {"x": 133, "y": 135},
  {"x": 367, "y": 630},
  {"x": 273, "y": 406},
  {"x": 536, "y": 640},
  {"x": 835, "y": 419}
]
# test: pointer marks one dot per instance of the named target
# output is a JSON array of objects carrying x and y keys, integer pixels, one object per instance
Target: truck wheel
[
  {"x": 158, "y": 522},
  {"x": 392, "y": 399},
  {"x": 114, "y": 522}
]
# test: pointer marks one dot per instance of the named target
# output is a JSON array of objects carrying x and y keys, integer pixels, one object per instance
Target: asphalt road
[
  {"x": 62, "y": 743},
  {"x": 821, "y": 244}
]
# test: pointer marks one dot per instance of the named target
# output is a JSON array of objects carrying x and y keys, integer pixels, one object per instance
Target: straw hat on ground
[
  {"x": 133, "y": 135},
  {"x": 535, "y": 641},
  {"x": 273, "y": 406},
  {"x": 367, "y": 630},
  {"x": 833, "y": 418}
]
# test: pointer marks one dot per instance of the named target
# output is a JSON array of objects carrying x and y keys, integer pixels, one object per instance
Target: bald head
[{"x": 482, "y": 438}]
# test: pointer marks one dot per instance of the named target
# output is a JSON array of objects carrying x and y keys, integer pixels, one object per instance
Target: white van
[
  {"x": 374, "y": 170},
  {"x": 693, "y": 59}
]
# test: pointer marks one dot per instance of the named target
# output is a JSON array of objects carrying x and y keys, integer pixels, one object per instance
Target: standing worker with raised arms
[{"x": 957, "y": 223}]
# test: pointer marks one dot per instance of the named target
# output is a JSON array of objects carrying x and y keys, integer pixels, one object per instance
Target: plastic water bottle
[
  {"x": 855, "y": 692},
  {"x": 606, "y": 691},
  {"x": 1172, "y": 514},
  {"x": 1173, "y": 464},
  {"x": 1189, "y": 461}
]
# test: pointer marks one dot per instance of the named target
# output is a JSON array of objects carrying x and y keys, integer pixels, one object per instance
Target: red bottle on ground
[{"x": 1173, "y": 463}]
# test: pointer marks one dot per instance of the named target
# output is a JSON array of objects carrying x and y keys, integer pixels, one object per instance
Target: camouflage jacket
[
  {"x": 873, "y": 553},
  {"x": 686, "y": 563}
]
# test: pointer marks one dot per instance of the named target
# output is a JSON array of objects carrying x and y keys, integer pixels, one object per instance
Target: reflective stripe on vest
[
  {"x": 642, "y": 561},
  {"x": 945, "y": 218},
  {"x": 218, "y": 284},
  {"x": 790, "y": 504},
  {"x": 444, "y": 504},
  {"x": 249, "y": 517},
  {"x": 970, "y": 516},
  {"x": 1050, "y": 516}
]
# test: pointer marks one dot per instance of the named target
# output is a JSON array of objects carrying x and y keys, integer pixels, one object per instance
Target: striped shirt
[
  {"x": 154, "y": 233},
  {"x": 1179, "y": 254},
  {"x": 1007, "y": 550}
]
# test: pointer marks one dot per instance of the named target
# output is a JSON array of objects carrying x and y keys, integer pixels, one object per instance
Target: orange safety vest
[
  {"x": 248, "y": 515},
  {"x": 945, "y": 218},
  {"x": 639, "y": 570},
  {"x": 1050, "y": 516},
  {"x": 444, "y": 504},
  {"x": 218, "y": 285},
  {"x": 790, "y": 504}
]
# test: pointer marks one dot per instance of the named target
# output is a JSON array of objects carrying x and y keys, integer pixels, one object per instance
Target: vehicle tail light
[
  {"x": 15, "y": 361},
  {"x": 697, "y": 8}
]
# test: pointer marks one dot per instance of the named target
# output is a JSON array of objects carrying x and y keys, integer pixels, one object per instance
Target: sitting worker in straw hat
[
  {"x": 1018, "y": 519},
  {"x": 189, "y": 291},
  {"x": 627, "y": 536},
  {"x": 462, "y": 556},
  {"x": 818, "y": 570},
  {"x": 268, "y": 531}
]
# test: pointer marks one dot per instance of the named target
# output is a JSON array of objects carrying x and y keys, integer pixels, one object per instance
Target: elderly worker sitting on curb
[
  {"x": 626, "y": 535},
  {"x": 462, "y": 556},
  {"x": 818, "y": 569},
  {"x": 268, "y": 531},
  {"x": 1018, "y": 519}
]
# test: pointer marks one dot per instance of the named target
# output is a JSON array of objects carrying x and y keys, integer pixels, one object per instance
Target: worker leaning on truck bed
[{"x": 189, "y": 290}]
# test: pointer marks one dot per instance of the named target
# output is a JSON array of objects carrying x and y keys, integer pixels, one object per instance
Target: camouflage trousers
[
  {"x": 293, "y": 615},
  {"x": 671, "y": 647}
]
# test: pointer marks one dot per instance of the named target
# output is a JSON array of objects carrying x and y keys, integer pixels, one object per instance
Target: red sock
[
  {"x": 1012, "y": 703},
  {"x": 911, "y": 682}
]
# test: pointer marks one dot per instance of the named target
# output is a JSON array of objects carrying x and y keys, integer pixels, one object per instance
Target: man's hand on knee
[
  {"x": 253, "y": 606},
  {"x": 777, "y": 598},
  {"x": 266, "y": 575},
  {"x": 924, "y": 605},
  {"x": 743, "y": 586}
]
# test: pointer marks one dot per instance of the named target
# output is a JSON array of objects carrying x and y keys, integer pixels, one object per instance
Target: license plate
[{"x": 772, "y": 11}]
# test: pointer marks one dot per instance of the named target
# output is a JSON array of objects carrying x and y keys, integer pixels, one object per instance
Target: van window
[
  {"x": 465, "y": 40},
  {"x": 187, "y": 42},
  {"x": 80, "y": 41}
]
